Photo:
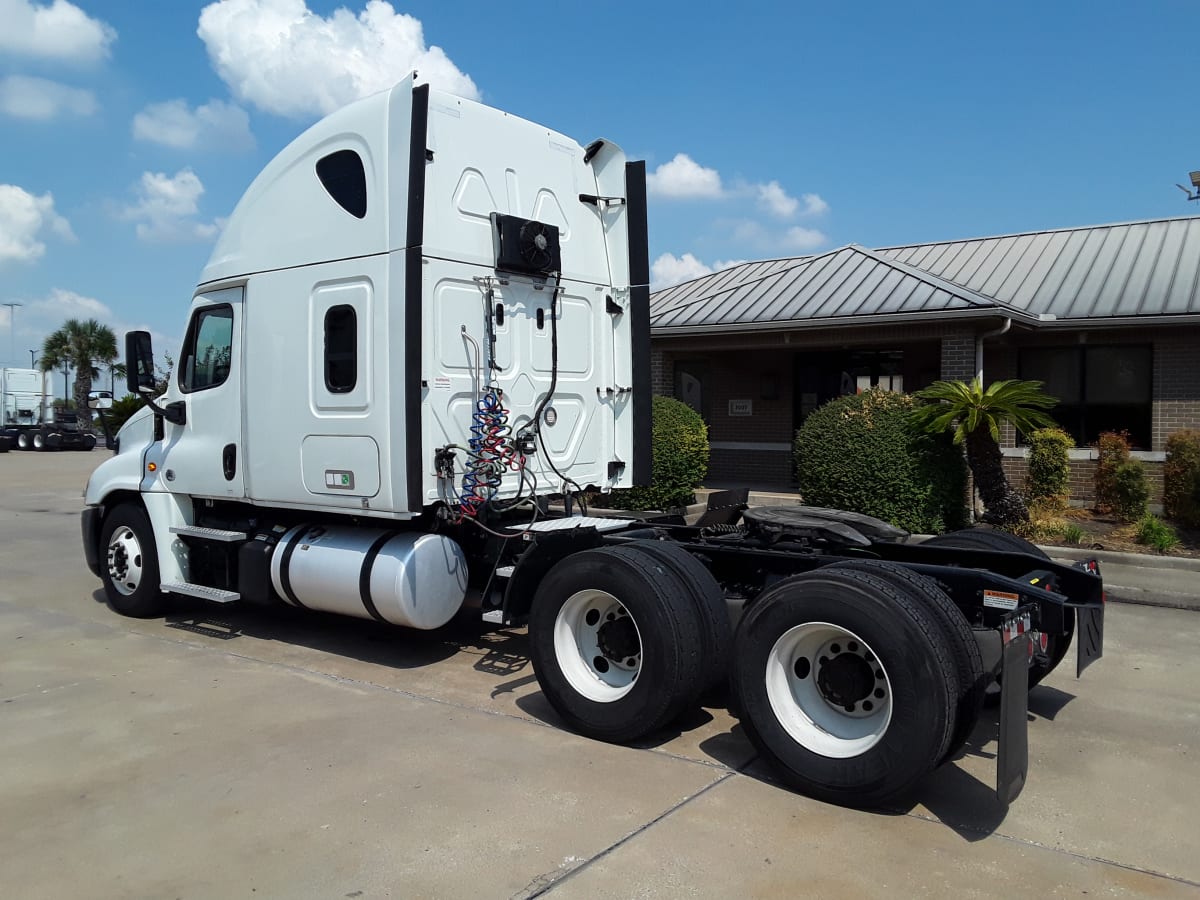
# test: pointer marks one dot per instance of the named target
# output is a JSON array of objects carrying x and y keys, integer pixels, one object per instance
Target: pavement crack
[{"x": 550, "y": 881}]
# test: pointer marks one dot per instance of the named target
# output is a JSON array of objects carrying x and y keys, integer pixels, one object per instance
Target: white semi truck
[
  {"x": 426, "y": 320},
  {"x": 28, "y": 418}
]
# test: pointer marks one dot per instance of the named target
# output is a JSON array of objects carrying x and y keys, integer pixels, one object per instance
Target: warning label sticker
[{"x": 1000, "y": 599}]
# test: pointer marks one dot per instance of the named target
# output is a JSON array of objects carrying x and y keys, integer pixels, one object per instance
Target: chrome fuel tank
[{"x": 403, "y": 578}]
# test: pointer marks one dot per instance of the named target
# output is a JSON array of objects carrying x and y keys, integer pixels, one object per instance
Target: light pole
[
  {"x": 32, "y": 360},
  {"x": 12, "y": 330}
]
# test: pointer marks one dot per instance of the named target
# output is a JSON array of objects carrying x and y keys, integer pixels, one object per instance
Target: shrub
[
  {"x": 1049, "y": 467},
  {"x": 1130, "y": 492},
  {"x": 1154, "y": 532},
  {"x": 1181, "y": 478},
  {"x": 863, "y": 453},
  {"x": 1113, "y": 447},
  {"x": 121, "y": 410},
  {"x": 680, "y": 451}
]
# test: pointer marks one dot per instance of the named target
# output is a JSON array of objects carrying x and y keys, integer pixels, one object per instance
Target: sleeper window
[
  {"x": 344, "y": 178},
  {"x": 341, "y": 349}
]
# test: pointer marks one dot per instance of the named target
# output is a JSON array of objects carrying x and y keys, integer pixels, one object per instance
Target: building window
[
  {"x": 1104, "y": 388},
  {"x": 692, "y": 386},
  {"x": 344, "y": 178},
  {"x": 207, "y": 349},
  {"x": 341, "y": 349}
]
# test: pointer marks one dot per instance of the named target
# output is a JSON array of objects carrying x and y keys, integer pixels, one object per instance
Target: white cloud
[
  {"x": 803, "y": 240},
  {"x": 796, "y": 239},
  {"x": 27, "y": 97},
  {"x": 216, "y": 124},
  {"x": 168, "y": 207},
  {"x": 59, "y": 31},
  {"x": 24, "y": 220},
  {"x": 814, "y": 205},
  {"x": 683, "y": 177},
  {"x": 670, "y": 269},
  {"x": 283, "y": 58},
  {"x": 775, "y": 200}
]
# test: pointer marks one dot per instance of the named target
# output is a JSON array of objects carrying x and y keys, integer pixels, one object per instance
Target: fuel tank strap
[
  {"x": 285, "y": 579},
  {"x": 364, "y": 577}
]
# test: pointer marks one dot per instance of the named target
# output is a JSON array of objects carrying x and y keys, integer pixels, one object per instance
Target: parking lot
[{"x": 224, "y": 752}]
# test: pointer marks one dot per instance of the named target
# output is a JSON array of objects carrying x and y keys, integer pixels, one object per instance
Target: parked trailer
[
  {"x": 425, "y": 321},
  {"x": 29, "y": 419}
]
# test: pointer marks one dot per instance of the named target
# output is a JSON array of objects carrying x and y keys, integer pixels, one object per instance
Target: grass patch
[{"x": 1154, "y": 532}]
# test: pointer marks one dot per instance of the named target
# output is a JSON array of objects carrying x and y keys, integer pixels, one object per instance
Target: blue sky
[{"x": 131, "y": 128}]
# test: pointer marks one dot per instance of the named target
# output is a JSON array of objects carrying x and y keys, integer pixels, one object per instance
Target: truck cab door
[{"x": 203, "y": 456}]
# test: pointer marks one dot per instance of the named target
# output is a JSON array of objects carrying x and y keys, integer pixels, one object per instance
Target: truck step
[
  {"x": 504, "y": 571},
  {"x": 493, "y": 616},
  {"x": 202, "y": 591},
  {"x": 209, "y": 534}
]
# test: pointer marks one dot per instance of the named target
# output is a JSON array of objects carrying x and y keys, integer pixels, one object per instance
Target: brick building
[{"x": 1108, "y": 317}]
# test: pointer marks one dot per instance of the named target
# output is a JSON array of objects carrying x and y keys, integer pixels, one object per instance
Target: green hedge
[
  {"x": 1049, "y": 481},
  {"x": 861, "y": 453},
  {"x": 680, "y": 449},
  {"x": 1181, "y": 478},
  {"x": 1130, "y": 491},
  {"x": 1113, "y": 452}
]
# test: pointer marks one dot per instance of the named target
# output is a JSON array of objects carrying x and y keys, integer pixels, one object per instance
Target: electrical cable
[{"x": 537, "y": 416}]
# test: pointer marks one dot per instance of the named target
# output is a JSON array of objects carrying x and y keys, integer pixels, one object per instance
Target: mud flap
[
  {"x": 1089, "y": 636},
  {"x": 1012, "y": 757}
]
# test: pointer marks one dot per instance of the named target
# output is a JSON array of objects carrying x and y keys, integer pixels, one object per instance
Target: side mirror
[
  {"x": 100, "y": 403},
  {"x": 139, "y": 362}
]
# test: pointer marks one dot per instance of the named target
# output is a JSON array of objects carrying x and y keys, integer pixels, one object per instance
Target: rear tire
[
  {"x": 855, "y": 733},
  {"x": 39, "y": 441},
  {"x": 972, "y": 681},
  {"x": 717, "y": 632},
  {"x": 616, "y": 639},
  {"x": 1057, "y": 645},
  {"x": 129, "y": 563},
  {"x": 986, "y": 539},
  {"x": 23, "y": 441}
]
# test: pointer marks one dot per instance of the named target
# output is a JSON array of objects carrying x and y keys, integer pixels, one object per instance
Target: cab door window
[{"x": 208, "y": 349}]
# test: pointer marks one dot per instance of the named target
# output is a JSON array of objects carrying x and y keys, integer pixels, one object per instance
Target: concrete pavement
[{"x": 227, "y": 752}]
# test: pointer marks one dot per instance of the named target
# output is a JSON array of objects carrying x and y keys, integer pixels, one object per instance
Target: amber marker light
[{"x": 153, "y": 467}]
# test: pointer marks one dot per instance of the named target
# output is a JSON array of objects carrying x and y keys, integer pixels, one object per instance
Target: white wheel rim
[
  {"x": 798, "y": 693},
  {"x": 38, "y": 441},
  {"x": 125, "y": 560},
  {"x": 590, "y": 629}
]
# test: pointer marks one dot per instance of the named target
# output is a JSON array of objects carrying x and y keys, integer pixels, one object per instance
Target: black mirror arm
[{"x": 175, "y": 413}]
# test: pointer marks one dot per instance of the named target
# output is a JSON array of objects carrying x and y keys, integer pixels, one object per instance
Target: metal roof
[
  {"x": 1124, "y": 271},
  {"x": 1147, "y": 268},
  {"x": 847, "y": 282},
  {"x": 725, "y": 279}
]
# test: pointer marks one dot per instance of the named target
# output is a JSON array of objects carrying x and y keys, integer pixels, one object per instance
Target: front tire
[
  {"x": 846, "y": 683},
  {"x": 615, "y": 640},
  {"x": 129, "y": 563}
]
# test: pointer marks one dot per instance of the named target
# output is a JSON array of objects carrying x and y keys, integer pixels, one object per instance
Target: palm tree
[
  {"x": 115, "y": 371},
  {"x": 975, "y": 415},
  {"x": 82, "y": 345}
]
